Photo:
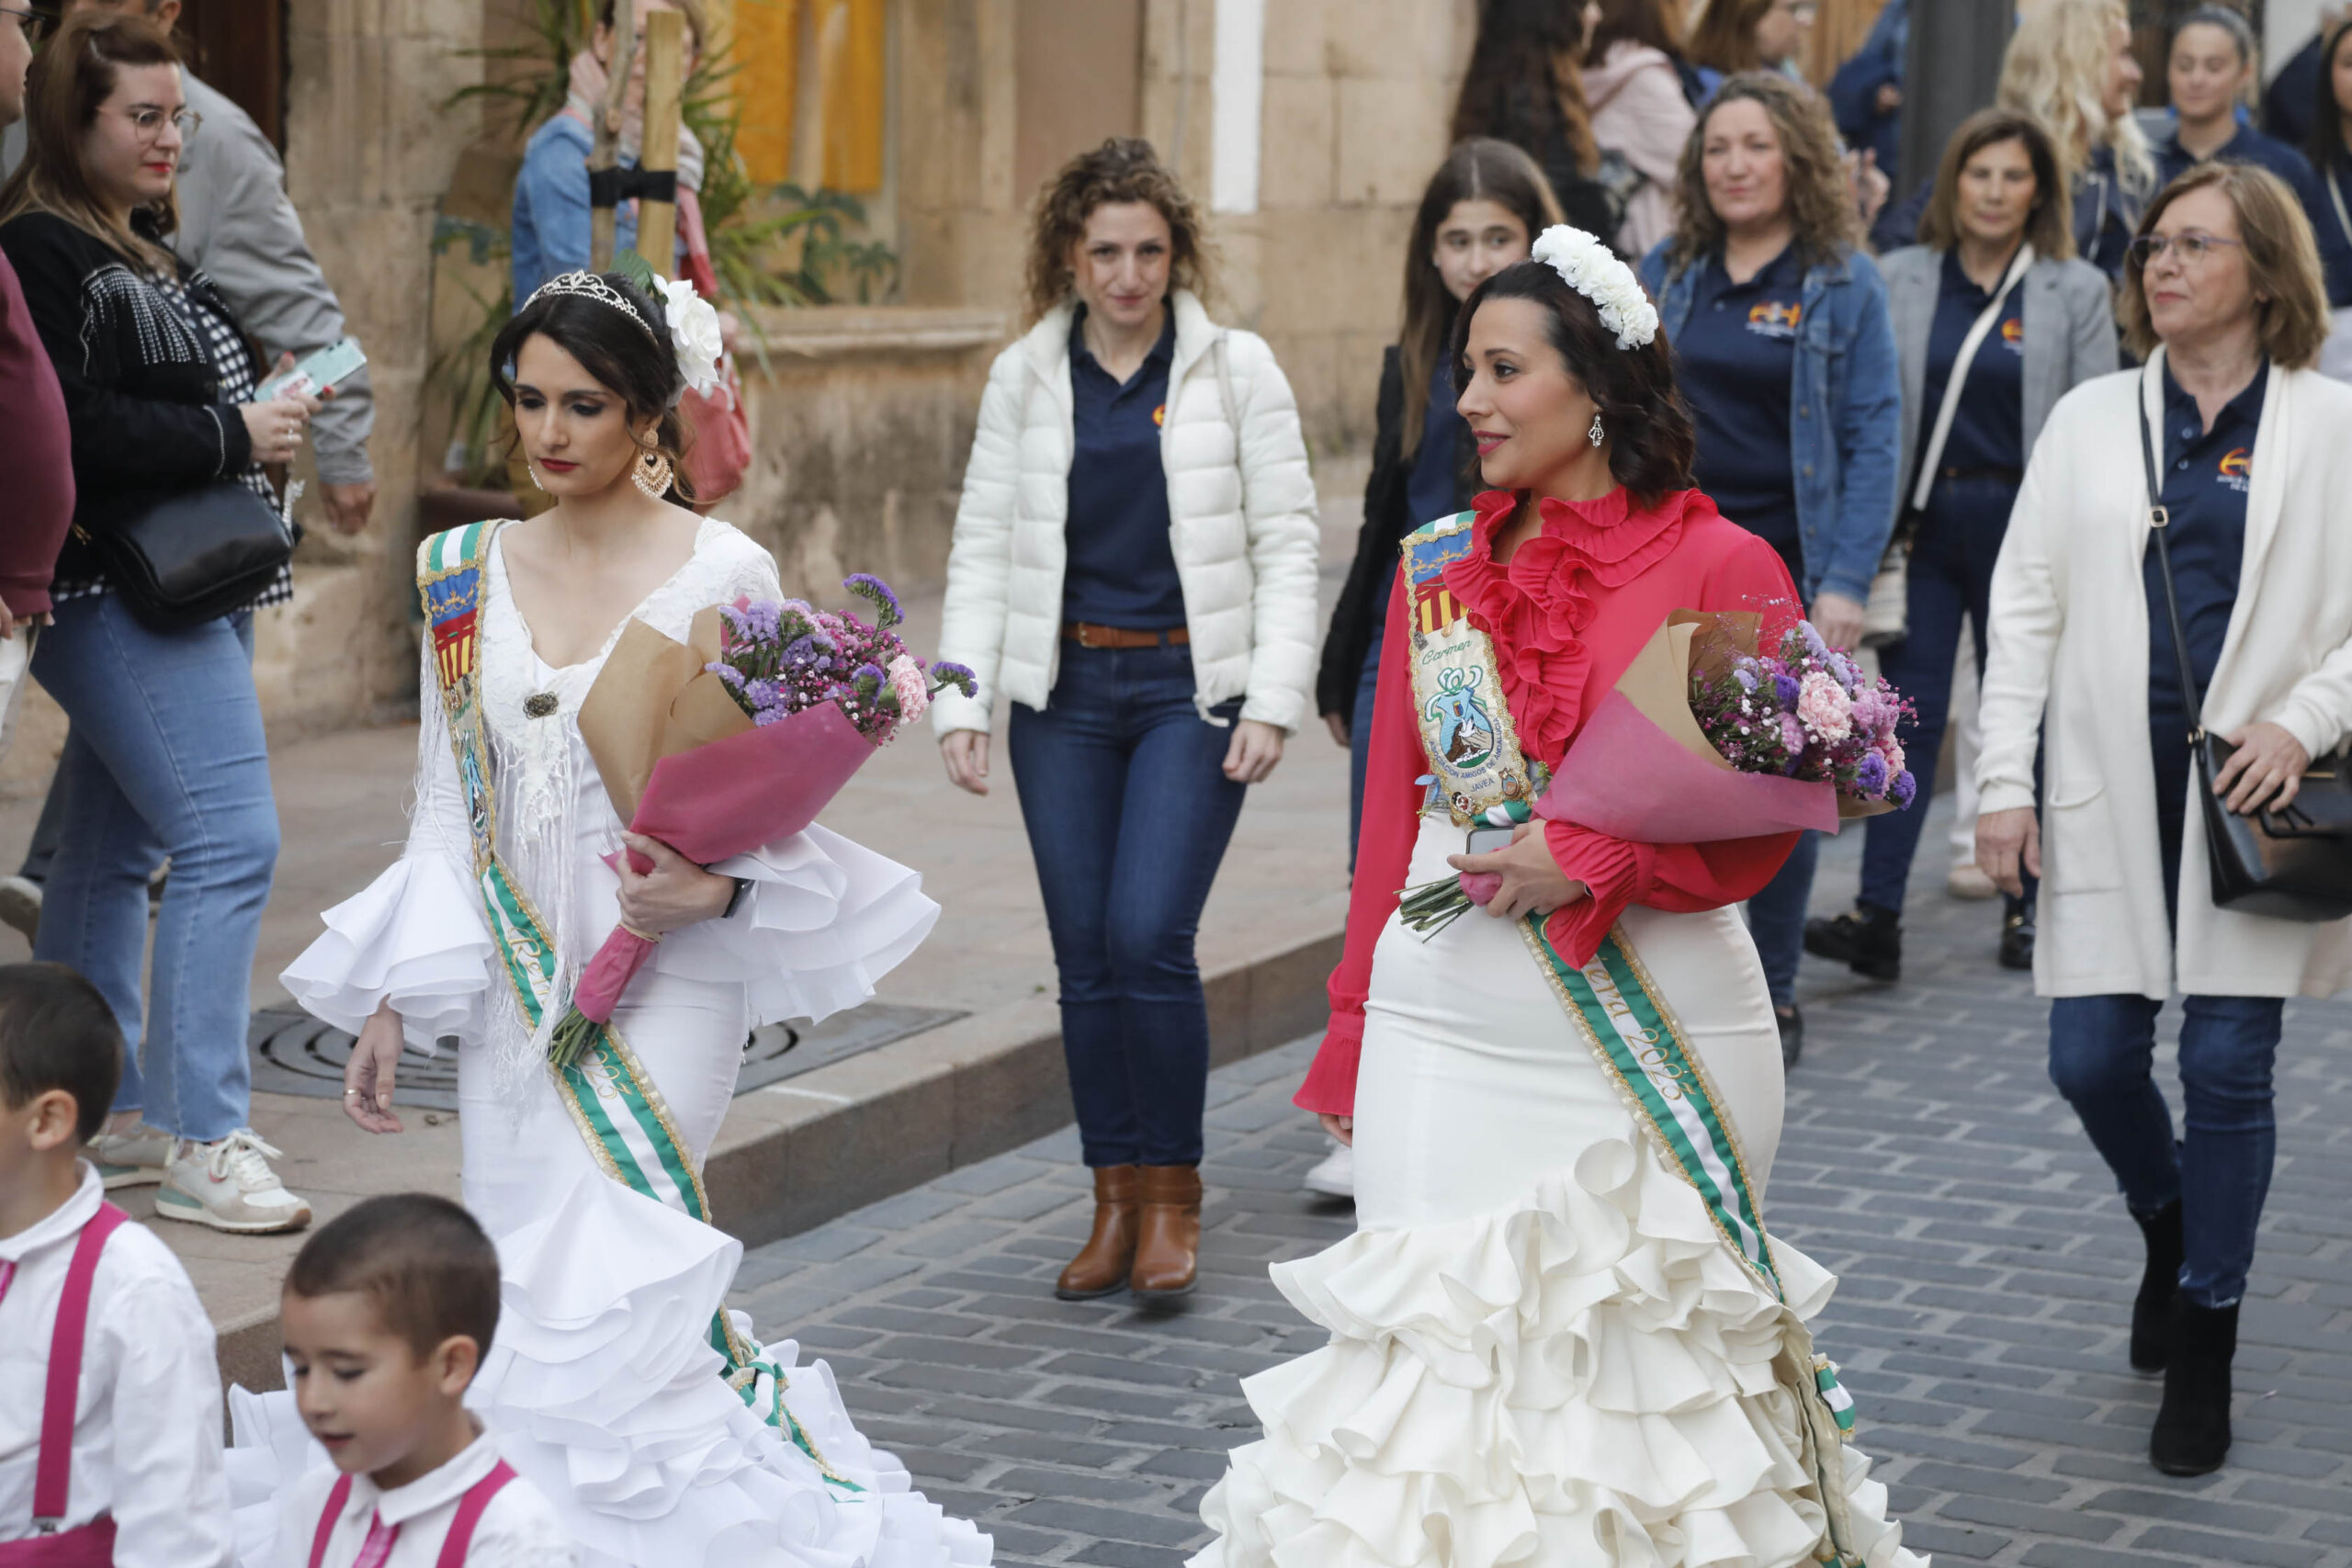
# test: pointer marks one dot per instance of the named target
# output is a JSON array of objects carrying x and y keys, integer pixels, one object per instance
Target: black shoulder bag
[
  {"x": 195, "y": 556},
  {"x": 2294, "y": 864}
]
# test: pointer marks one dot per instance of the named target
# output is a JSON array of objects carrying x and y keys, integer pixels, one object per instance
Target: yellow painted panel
[
  {"x": 852, "y": 43},
  {"x": 767, "y": 80}
]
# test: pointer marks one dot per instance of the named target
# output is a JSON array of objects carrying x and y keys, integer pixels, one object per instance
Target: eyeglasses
[
  {"x": 149, "y": 122},
  {"x": 2192, "y": 246},
  {"x": 35, "y": 24}
]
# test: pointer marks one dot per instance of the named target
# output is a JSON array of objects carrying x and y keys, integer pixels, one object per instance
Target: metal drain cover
[{"x": 295, "y": 1054}]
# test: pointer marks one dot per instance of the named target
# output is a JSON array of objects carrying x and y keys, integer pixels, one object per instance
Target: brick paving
[{"x": 1987, "y": 1269}]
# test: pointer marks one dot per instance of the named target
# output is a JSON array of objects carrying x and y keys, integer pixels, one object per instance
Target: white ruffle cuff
[
  {"x": 414, "y": 935},
  {"x": 825, "y": 919}
]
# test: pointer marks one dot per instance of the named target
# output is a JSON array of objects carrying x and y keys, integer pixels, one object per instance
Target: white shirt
[
  {"x": 519, "y": 1529},
  {"x": 147, "y": 1417}
]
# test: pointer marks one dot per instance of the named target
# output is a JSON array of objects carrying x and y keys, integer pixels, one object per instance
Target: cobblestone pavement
[{"x": 1987, "y": 1269}]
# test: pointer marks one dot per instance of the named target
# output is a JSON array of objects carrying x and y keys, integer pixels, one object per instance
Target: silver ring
[{"x": 351, "y": 1094}]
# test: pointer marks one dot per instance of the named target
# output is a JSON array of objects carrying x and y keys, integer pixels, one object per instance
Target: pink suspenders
[
  {"x": 91, "y": 1546},
  {"x": 454, "y": 1546}
]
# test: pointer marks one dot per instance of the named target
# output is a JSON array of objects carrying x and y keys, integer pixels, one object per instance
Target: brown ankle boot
[
  {"x": 1168, "y": 1252},
  {"x": 1100, "y": 1266}
]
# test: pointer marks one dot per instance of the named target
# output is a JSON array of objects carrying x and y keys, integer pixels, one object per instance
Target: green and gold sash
[
  {"x": 614, "y": 1104},
  {"x": 1478, "y": 774}
]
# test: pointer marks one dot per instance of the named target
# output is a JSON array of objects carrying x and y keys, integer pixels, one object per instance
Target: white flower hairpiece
[
  {"x": 1593, "y": 270},
  {"x": 693, "y": 324},
  {"x": 694, "y": 332}
]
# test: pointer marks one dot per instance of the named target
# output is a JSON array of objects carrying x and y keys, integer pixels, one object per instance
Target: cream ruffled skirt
[{"x": 1541, "y": 1351}]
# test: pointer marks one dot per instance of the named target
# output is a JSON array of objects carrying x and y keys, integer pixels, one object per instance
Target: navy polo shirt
[
  {"x": 2206, "y": 477},
  {"x": 1988, "y": 428},
  {"x": 1432, "y": 488},
  {"x": 1121, "y": 569},
  {"x": 1737, "y": 363}
]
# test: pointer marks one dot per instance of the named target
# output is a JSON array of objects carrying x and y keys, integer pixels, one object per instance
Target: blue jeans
[
  {"x": 166, "y": 757},
  {"x": 1123, "y": 792},
  {"x": 1360, "y": 732},
  {"x": 1950, "y": 582},
  {"x": 1776, "y": 919},
  {"x": 2101, "y": 1052}
]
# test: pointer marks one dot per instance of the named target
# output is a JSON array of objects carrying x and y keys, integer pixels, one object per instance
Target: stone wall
[{"x": 861, "y": 420}]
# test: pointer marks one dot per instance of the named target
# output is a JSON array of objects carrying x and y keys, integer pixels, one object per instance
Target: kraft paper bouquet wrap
[
  {"x": 1710, "y": 735},
  {"x": 734, "y": 738}
]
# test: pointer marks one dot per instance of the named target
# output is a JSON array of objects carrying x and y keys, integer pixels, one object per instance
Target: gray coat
[
  {"x": 238, "y": 227},
  {"x": 2069, "y": 319}
]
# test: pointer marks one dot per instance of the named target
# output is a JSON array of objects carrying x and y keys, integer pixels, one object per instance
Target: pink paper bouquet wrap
[
  {"x": 683, "y": 762},
  {"x": 727, "y": 797},
  {"x": 1642, "y": 770}
]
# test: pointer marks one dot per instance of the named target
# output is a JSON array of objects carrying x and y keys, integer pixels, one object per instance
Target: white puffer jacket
[{"x": 1242, "y": 524}]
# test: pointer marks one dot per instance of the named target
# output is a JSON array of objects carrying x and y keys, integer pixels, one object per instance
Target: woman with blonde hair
[
  {"x": 1133, "y": 567},
  {"x": 2070, "y": 65},
  {"x": 2110, "y": 641},
  {"x": 1783, "y": 346}
]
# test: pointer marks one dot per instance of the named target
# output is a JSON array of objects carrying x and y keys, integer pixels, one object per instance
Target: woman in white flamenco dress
[
  {"x": 603, "y": 1385},
  {"x": 1560, "y": 1337}
]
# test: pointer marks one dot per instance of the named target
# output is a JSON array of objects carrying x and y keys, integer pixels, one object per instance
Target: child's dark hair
[
  {"x": 56, "y": 1031},
  {"x": 1652, "y": 445},
  {"x": 422, "y": 1260},
  {"x": 627, "y": 350}
]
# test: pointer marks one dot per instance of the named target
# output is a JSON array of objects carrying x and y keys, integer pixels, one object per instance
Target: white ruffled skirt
[
  {"x": 601, "y": 1387},
  {"x": 1541, "y": 1351}
]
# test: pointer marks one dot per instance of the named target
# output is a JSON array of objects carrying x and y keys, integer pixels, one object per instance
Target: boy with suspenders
[
  {"x": 387, "y": 1313},
  {"x": 111, "y": 1450}
]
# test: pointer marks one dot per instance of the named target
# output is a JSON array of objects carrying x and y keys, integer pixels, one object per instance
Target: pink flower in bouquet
[
  {"x": 1888, "y": 747},
  {"x": 911, "y": 686},
  {"x": 1824, "y": 707},
  {"x": 1793, "y": 739}
]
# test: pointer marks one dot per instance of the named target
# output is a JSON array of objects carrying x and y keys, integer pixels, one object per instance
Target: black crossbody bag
[
  {"x": 197, "y": 556},
  {"x": 2294, "y": 864}
]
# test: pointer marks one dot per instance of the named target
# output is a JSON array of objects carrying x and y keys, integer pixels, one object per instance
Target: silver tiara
[{"x": 589, "y": 286}]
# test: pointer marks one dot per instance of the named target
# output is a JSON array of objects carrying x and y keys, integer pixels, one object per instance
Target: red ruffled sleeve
[
  {"x": 1392, "y": 819},
  {"x": 1678, "y": 878}
]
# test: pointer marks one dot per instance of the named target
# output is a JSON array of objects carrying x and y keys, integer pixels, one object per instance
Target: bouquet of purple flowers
[
  {"x": 779, "y": 658},
  {"x": 1806, "y": 711}
]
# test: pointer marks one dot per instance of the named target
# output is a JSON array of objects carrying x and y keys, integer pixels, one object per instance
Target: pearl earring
[
  {"x": 1596, "y": 435},
  {"x": 532, "y": 468}
]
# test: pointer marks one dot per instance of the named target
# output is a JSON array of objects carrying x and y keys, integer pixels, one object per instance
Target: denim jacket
[{"x": 1845, "y": 415}]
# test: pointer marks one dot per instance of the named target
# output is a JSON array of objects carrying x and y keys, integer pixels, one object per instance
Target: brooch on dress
[{"x": 538, "y": 704}]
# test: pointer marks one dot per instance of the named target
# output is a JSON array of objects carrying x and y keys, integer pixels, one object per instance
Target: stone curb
[{"x": 796, "y": 1153}]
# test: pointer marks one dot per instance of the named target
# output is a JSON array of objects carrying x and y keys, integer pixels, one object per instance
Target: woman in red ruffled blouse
[
  {"x": 1543, "y": 1351},
  {"x": 1570, "y": 585}
]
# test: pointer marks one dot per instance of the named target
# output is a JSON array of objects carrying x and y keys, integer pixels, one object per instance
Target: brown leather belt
[{"x": 1087, "y": 635}]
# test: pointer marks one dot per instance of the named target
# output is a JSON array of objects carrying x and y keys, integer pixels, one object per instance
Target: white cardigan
[
  {"x": 1241, "y": 511},
  {"x": 2069, "y": 628}
]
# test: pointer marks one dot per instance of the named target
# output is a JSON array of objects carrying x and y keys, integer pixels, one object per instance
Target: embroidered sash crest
[{"x": 1466, "y": 726}]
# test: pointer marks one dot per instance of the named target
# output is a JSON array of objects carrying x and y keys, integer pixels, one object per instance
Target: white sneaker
[
  {"x": 20, "y": 905},
  {"x": 1336, "y": 1177},
  {"x": 137, "y": 1158},
  {"x": 229, "y": 1186}
]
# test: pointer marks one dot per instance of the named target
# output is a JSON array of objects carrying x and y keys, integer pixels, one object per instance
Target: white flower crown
[
  {"x": 1593, "y": 270},
  {"x": 692, "y": 322}
]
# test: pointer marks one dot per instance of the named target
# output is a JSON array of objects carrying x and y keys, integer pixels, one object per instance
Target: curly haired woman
[
  {"x": 1786, "y": 350},
  {"x": 1134, "y": 566}
]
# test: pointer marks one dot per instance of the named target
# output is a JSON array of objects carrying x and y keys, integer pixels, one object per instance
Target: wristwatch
[{"x": 742, "y": 886}]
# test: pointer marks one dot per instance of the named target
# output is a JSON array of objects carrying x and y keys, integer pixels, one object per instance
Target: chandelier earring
[
  {"x": 653, "y": 474},
  {"x": 1596, "y": 435}
]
